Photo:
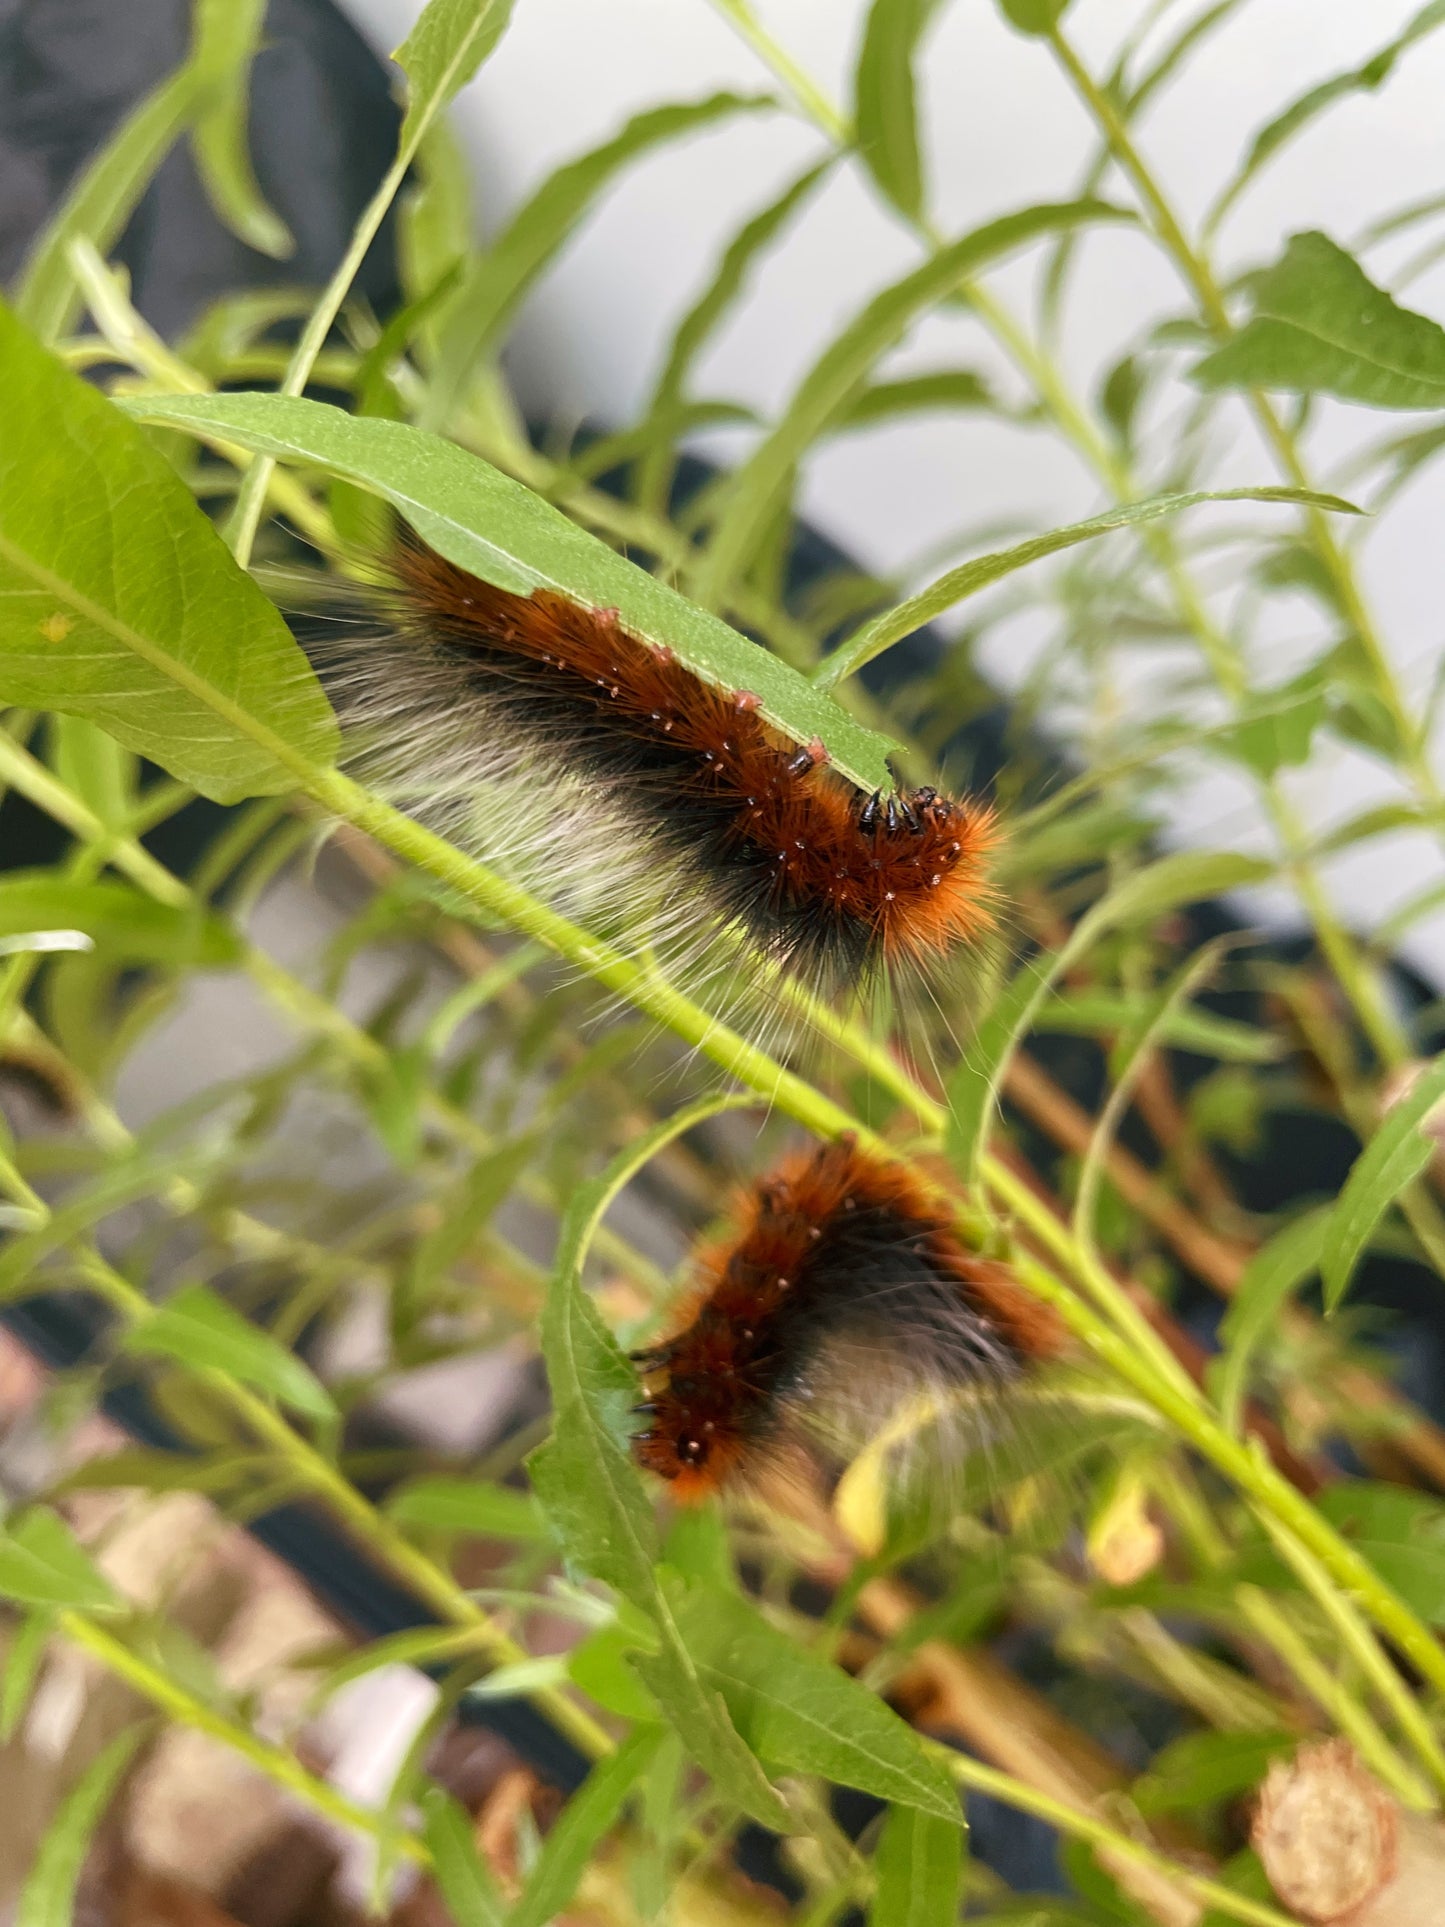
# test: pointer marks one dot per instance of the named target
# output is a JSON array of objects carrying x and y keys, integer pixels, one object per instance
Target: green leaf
[
  {"x": 1273, "y": 1274},
  {"x": 591, "y": 1492},
  {"x": 885, "y": 113},
  {"x": 1369, "y": 76},
  {"x": 41, "y": 1565},
  {"x": 101, "y": 201},
  {"x": 22, "y": 1664},
  {"x": 966, "y": 580},
  {"x": 804, "y": 1716},
  {"x": 443, "y": 51},
  {"x": 1321, "y": 326},
  {"x": 1203, "y": 1768},
  {"x": 915, "y": 394},
  {"x": 1277, "y": 730},
  {"x": 485, "y": 522},
  {"x": 1401, "y": 1533},
  {"x": 227, "y": 34},
  {"x": 467, "y": 1505},
  {"x": 755, "y": 492},
  {"x": 1189, "y": 876},
  {"x": 1087, "y": 1013},
  {"x": 495, "y": 285},
  {"x": 124, "y": 925},
  {"x": 119, "y": 601},
  {"x": 197, "y": 1328},
  {"x": 467, "y": 1884},
  {"x": 48, "y": 1897},
  {"x": 919, "y": 1864},
  {"x": 1033, "y": 16},
  {"x": 1394, "y": 1157},
  {"x": 583, "y": 1822}
]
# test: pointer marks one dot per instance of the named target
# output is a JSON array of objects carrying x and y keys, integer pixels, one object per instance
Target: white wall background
[{"x": 1001, "y": 130}]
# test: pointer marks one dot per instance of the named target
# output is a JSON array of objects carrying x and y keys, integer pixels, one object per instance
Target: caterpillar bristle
[
  {"x": 844, "y": 1292},
  {"x": 617, "y": 776}
]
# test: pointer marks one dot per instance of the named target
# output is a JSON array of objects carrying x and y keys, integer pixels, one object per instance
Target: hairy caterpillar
[
  {"x": 845, "y": 1294},
  {"x": 615, "y": 775}
]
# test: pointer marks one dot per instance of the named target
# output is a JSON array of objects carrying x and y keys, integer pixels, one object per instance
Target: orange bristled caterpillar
[
  {"x": 845, "y": 1294},
  {"x": 611, "y": 774}
]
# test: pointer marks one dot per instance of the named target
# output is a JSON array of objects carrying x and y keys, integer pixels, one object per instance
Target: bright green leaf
[
  {"x": 1033, "y": 16},
  {"x": 41, "y": 1565},
  {"x": 123, "y": 925},
  {"x": 119, "y": 601},
  {"x": 1321, "y": 326},
  {"x": 197, "y": 1328},
  {"x": 26, "y": 1651},
  {"x": 983, "y": 570},
  {"x": 919, "y": 1864},
  {"x": 443, "y": 51},
  {"x": 1394, "y": 1157},
  {"x": 578, "y": 1829},
  {"x": 467, "y": 1883},
  {"x": 48, "y": 1897},
  {"x": 1203, "y": 1768},
  {"x": 484, "y": 521},
  {"x": 227, "y": 35}
]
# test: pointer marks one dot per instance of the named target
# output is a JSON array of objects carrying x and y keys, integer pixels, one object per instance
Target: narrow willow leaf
[
  {"x": 706, "y": 315},
  {"x": 583, "y": 1822},
  {"x": 48, "y": 1897},
  {"x": 945, "y": 388},
  {"x": 885, "y": 110},
  {"x": 1321, "y": 326},
  {"x": 1394, "y": 1157},
  {"x": 1368, "y": 77},
  {"x": 118, "y": 920},
  {"x": 443, "y": 51},
  {"x": 197, "y": 1328},
  {"x": 499, "y": 280},
  {"x": 1201, "y": 1769},
  {"x": 125, "y": 1180},
  {"x": 591, "y": 1492},
  {"x": 422, "y": 1646},
  {"x": 1273, "y": 1274},
  {"x": 1189, "y": 876},
  {"x": 1090, "y": 1013},
  {"x": 919, "y": 1864},
  {"x": 22, "y": 1667},
  {"x": 754, "y": 493},
  {"x": 467, "y": 1505},
  {"x": 119, "y": 601},
  {"x": 227, "y": 34},
  {"x": 798, "y": 1713},
  {"x": 41, "y": 1565},
  {"x": 467, "y": 1884},
  {"x": 102, "y": 201},
  {"x": 484, "y": 521},
  {"x": 966, "y": 580}
]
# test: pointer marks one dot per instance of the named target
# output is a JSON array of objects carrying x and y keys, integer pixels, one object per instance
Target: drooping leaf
[
  {"x": 576, "y": 1832},
  {"x": 41, "y": 1565},
  {"x": 227, "y": 34},
  {"x": 1392, "y": 1160},
  {"x": 1321, "y": 326},
  {"x": 885, "y": 111},
  {"x": 484, "y": 521},
  {"x": 23, "y": 1660},
  {"x": 966, "y": 580},
  {"x": 197, "y": 1328},
  {"x": 919, "y": 1864},
  {"x": 1275, "y": 1271},
  {"x": 119, "y": 601},
  {"x": 884, "y": 401},
  {"x": 467, "y": 1884},
  {"x": 1369, "y": 76},
  {"x": 466, "y": 1505},
  {"x": 798, "y": 1713},
  {"x": 495, "y": 285},
  {"x": 48, "y": 1897},
  {"x": 1088, "y": 1013},
  {"x": 754, "y": 493}
]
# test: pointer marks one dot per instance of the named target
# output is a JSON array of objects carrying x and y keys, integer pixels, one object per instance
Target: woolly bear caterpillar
[
  {"x": 845, "y": 1294},
  {"x": 607, "y": 770}
]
